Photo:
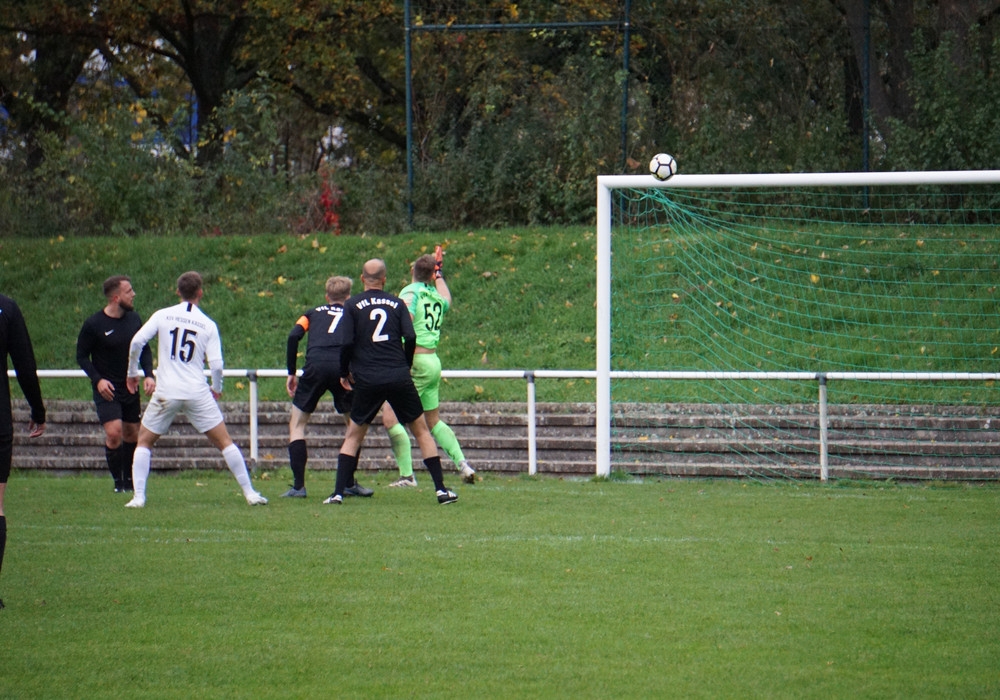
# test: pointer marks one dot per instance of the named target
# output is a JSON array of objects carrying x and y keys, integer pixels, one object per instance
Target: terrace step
[{"x": 676, "y": 439}]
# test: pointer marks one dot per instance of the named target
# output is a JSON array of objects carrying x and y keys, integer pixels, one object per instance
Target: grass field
[{"x": 526, "y": 588}]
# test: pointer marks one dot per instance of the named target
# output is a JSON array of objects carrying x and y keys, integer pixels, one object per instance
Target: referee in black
[
  {"x": 102, "y": 352},
  {"x": 377, "y": 354},
  {"x": 15, "y": 341}
]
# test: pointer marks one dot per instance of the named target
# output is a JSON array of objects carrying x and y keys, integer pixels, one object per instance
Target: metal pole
[
  {"x": 866, "y": 98},
  {"x": 254, "y": 450},
  {"x": 625, "y": 72},
  {"x": 408, "y": 34},
  {"x": 866, "y": 93},
  {"x": 602, "y": 362},
  {"x": 824, "y": 425},
  {"x": 532, "y": 442}
]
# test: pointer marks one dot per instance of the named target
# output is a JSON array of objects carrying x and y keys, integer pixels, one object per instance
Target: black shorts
[
  {"x": 402, "y": 396},
  {"x": 6, "y": 451},
  {"x": 315, "y": 381},
  {"x": 124, "y": 406}
]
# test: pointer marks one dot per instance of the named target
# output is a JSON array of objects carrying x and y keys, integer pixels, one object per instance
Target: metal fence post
[
  {"x": 532, "y": 447},
  {"x": 252, "y": 376},
  {"x": 824, "y": 469}
]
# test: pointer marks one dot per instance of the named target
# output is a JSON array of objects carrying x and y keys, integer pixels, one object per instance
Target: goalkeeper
[{"x": 427, "y": 298}]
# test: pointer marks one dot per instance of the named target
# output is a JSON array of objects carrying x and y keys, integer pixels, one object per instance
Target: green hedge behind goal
[{"x": 736, "y": 281}]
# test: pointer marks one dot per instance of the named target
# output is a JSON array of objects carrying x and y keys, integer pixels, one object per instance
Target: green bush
[
  {"x": 114, "y": 174},
  {"x": 956, "y": 124}
]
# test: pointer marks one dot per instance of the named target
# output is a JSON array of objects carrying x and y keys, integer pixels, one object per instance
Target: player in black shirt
[
  {"x": 377, "y": 355},
  {"x": 102, "y": 352},
  {"x": 15, "y": 341},
  {"x": 321, "y": 373}
]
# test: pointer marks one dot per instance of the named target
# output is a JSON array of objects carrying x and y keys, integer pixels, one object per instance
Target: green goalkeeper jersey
[{"x": 427, "y": 308}]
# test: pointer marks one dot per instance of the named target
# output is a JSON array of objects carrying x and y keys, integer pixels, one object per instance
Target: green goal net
[{"x": 802, "y": 330}]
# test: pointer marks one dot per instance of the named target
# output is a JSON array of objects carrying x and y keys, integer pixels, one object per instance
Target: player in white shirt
[{"x": 186, "y": 340}]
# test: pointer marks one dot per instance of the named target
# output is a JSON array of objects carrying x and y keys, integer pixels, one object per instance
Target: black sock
[
  {"x": 297, "y": 458},
  {"x": 3, "y": 538},
  {"x": 128, "y": 454},
  {"x": 114, "y": 459},
  {"x": 433, "y": 465},
  {"x": 346, "y": 464}
]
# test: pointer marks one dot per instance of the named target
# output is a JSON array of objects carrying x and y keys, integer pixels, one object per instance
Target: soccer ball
[{"x": 663, "y": 166}]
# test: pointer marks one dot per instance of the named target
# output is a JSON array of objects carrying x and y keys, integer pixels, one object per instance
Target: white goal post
[{"x": 606, "y": 184}]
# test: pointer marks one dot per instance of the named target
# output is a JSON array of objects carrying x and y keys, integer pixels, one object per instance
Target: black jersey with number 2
[{"x": 382, "y": 339}]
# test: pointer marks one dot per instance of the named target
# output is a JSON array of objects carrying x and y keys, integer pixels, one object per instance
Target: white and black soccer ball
[{"x": 663, "y": 166}]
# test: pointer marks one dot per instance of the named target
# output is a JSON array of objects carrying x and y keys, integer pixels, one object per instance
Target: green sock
[
  {"x": 445, "y": 437},
  {"x": 401, "y": 449}
]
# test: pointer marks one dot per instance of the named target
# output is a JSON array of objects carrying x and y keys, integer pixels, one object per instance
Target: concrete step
[{"x": 672, "y": 439}]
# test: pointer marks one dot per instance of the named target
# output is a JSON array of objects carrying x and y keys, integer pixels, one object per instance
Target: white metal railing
[
  {"x": 253, "y": 375},
  {"x": 821, "y": 378}
]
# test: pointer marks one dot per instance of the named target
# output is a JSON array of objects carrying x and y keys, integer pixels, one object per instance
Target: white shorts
[{"x": 203, "y": 413}]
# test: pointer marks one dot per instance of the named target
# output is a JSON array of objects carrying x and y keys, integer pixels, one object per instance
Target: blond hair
[{"x": 338, "y": 288}]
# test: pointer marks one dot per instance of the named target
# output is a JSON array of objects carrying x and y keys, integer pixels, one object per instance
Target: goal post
[{"x": 850, "y": 291}]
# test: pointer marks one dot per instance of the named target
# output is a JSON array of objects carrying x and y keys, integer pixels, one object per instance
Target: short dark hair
[
  {"x": 188, "y": 285},
  {"x": 423, "y": 268},
  {"x": 111, "y": 284}
]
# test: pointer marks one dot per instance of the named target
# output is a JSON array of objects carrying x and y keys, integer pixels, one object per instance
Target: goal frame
[{"x": 606, "y": 184}]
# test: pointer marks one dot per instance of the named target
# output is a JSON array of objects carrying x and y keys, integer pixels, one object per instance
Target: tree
[
  {"x": 43, "y": 56},
  {"x": 894, "y": 27}
]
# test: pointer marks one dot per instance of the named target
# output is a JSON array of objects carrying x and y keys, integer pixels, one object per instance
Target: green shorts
[{"x": 426, "y": 373}]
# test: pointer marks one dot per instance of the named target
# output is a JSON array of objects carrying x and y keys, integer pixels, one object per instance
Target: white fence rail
[
  {"x": 253, "y": 375},
  {"x": 821, "y": 378}
]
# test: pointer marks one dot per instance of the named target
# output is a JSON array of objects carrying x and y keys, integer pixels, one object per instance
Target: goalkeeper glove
[{"x": 438, "y": 262}]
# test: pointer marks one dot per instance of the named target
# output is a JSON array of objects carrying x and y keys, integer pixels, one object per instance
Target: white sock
[
  {"x": 236, "y": 464},
  {"x": 140, "y": 471}
]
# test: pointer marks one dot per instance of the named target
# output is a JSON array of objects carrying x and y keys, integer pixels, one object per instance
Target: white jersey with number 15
[{"x": 186, "y": 340}]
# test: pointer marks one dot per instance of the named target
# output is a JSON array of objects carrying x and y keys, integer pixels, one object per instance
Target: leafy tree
[
  {"x": 227, "y": 101},
  {"x": 41, "y": 58},
  {"x": 898, "y": 28}
]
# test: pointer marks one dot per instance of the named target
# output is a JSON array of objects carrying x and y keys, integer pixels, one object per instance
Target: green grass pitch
[{"x": 526, "y": 588}]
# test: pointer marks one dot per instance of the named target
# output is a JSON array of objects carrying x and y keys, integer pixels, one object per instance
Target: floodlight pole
[
  {"x": 626, "y": 41},
  {"x": 408, "y": 33}
]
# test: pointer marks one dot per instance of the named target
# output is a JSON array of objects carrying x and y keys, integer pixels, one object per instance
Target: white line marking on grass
[{"x": 161, "y": 535}]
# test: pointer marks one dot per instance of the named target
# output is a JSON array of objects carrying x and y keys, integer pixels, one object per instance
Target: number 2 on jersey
[{"x": 380, "y": 317}]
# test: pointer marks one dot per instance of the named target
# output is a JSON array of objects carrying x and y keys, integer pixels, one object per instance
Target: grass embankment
[{"x": 523, "y": 298}]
